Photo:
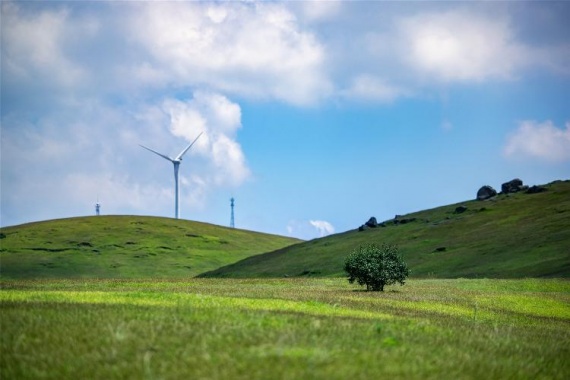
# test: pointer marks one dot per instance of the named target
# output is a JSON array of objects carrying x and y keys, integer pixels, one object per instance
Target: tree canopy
[{"x": 376, "y": 267}]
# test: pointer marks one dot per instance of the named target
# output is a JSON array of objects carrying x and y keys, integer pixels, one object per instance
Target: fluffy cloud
[
  {"x": 309, "y": 229},
  {"x": 323, "y": 227},
  {"x": 32, "y": 45},
  {"x": 539, "y": 140},
  {"x": 251, "y": 49},
  {"x": 400, "y": 51},
  {"x": 319, "y": 10},
  {"x": 300, "y": 53},
  {"x": 461, "y": 46},
  {"x": 219, "y": 119}
]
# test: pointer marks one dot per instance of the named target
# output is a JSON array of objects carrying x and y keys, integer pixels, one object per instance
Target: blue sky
[{"x": 316, "y": 115}]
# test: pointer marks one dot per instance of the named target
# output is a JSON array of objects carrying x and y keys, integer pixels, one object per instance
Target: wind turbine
[{"x": 176, "y": 162}]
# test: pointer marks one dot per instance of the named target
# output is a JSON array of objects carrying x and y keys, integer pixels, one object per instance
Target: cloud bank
[
  {"x": 251, "y": 49},
  {"x": 268, "y": 51},
  {"x": 543, "y": 141},
  {"x": 461, "y": 46}
]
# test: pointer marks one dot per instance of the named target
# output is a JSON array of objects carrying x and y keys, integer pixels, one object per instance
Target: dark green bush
[{"x": 376, "y": 267}]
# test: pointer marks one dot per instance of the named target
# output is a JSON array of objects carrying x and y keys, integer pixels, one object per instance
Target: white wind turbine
[{"x": 176, "y": 162}]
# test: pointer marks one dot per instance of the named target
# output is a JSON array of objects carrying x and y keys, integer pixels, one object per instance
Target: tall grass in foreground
[{"x": 286, "y": 328}]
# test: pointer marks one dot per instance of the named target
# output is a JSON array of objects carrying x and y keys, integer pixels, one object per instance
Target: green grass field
[
  {"x": 113, "y": 297},
  {"x": 284, "y": 329},
  {"x": 510, "y": 236},
  {"x": 125, "y": 247}
]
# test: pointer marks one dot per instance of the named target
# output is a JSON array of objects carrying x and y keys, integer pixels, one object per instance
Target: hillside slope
[
  {"x": 509, "y": 236},
  {"x": 125, "y": 247}
]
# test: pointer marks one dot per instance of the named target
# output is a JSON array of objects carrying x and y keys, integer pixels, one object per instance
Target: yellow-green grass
[
  {"x": 511, "y": 236},
  {"x": 125, "y": 247},
  {"x": 284, "y": 329}
]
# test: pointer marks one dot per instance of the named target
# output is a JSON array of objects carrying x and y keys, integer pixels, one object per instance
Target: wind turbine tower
[
  {"x": 176, "y": 162},
  {"x": 232, "y": 222}
]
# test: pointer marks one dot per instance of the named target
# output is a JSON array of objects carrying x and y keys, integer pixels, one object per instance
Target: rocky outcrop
[
  {"x": 535, "y": 189},
  {"x": 400, "y": 220},
  {"x": 486, "y": 192},
  {"x": 372, "y": 222},
  {"x": 513, "y": 186},
  {"x": 460, "y": 209}
]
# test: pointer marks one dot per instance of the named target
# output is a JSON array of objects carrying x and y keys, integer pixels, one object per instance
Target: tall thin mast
[{"x": 232, "y": 221}]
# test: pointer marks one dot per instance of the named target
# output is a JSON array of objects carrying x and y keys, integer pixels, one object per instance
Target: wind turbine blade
[
  {"x": 160, "y": 154},
  {"x": 179, "y": 157}
]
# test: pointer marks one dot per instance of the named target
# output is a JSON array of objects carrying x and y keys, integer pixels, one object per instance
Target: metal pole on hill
[{"x": 232, "y": 221}]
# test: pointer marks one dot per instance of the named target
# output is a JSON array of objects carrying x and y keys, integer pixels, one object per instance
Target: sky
[{"x": 316, "y": 115}]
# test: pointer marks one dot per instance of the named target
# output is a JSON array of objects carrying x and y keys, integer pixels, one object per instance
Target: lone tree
[{"x": 375, "y": 266}]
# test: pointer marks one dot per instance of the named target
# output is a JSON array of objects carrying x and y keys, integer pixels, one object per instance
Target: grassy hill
[
  {"x": 125, "y": 247},
  {"x": 509, "y": 236}
]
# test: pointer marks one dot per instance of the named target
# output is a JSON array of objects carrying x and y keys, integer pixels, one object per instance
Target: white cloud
[
  {"x": 310, "y": 229},
  {"x": 323, "y": 227},
  {"x": 300, "y": 53},
  {"x": 370, "y": 88},
  {"x": 33, "y": 45},
  {"x": 553, "y": 58},
  {"x": 251, "y": 49},
  {"x": 461, "y": 46},
  {"x": 116, "y": 192},
  {"x": 319, "y": 10},
  {"x": 539, "y": 140},
  {"x": 219, "y": 119},
  {"x": 196, "y": 189}
]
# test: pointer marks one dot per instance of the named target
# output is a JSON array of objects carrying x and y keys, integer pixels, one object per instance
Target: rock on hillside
[
  {"x": 513, "y": 186},
  {"x": 535, "y": 189},
  {"x": 371, "y": 223},
  {"x": 486, "y": 192}
]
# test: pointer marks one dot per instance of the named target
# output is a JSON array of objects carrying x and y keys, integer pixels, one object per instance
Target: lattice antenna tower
[
  {"x": 232, "y": 220},
  {"x": 97, "y": 207}
]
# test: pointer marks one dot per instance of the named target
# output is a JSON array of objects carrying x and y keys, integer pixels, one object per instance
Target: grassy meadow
[
  {"x": 122, "y": 246},
  {"x": 509, "y": 236},
  {"x": 284, "y": 329},
  {"x": 114, "y": 297}
]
